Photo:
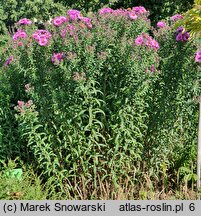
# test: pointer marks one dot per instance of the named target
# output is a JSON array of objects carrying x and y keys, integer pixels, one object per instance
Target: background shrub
[
  {"x": 159, "y": 9},
  {"x": 13, "y": 10}
]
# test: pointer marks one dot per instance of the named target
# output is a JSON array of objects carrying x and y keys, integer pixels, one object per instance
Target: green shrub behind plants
[
  {"x": 159, "y": 9},
  {"x": 13, "y": 10}
]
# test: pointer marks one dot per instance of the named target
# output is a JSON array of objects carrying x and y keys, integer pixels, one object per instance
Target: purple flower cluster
[
  {"x": 57, "y": 58},
  {"x": 139, "y": 10},
  {"x": 182, "y": 35},
  {"x": 9, "y": 60},
  {"x": 19, "y": 34},
  {"x": 120, "y": 12},
  {"x": 57, "y": 21},
  {"x": 22, "y": 106},
  {"x": 42, "y": 37},
  {"x": 25, "y": 21},
  {"x": 74, "y": 14},
  {"x": 106, "y": 11},
  {"x": 146, "y": 40},
  {"x": 176, "y": 17},
  {"x": 69, "y": 28},
  {"x": 131, "y": 13},
  {"x": 87, "y": 21},
  {"x": 161, "y": 24},
  {"x": 198, "y": 56}
]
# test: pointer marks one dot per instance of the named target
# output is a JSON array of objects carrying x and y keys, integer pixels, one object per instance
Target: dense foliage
[
  {"x": 42, "y": 10},
  {"x": 91, "y": 101},
  {"x": 191, "y": 20},
  {"x": 39, "y": 10},
  {"x": 160, "y": 9}
]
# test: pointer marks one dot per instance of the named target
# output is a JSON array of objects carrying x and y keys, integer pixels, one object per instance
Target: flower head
[
  {"x": 132, "y": 15},
  {"x": 179, "y": 37},
  {"x": 22, "y": 106},
  {"x": 25, "y": 21},
  {"x": 182, "y": 35},
  {"x": 161, "y": 24},
  {"x": 59, "y": 20},
  {"x": 74, "y": 14},
  {"x": 152, "y": 68},
  {"x": 154, "y": 44},
  {"x": 180, "y": 29},
  {"x": 57, "y": 58},
  {"x": 105, "y": 11},
  {"x": 20, "y": 43},
  {"x": 42, "y": 36},
  {"x": 43, "y": 41},
  {"x": 139, "y": 40},
  {"x": 20, "y": 103},
  {"x": 146, "y": 40},
  {"x": 27, "y": 87},
  {"x": 198, "y": 56},
  {"x": 139, "y": 10},
  {"x": 87, "y": 21},
  {"x": 176, "y": 17},
  {"x": 19, "y": 34},
  {"x": 9, "y": 60}
]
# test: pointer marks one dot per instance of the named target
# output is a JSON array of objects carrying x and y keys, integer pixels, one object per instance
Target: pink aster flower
[
  {"x": 20, "y": 103},
  {"x": 132, "y": 15},
  {"x": 63, "y": 33},
  {"x": 152, "y": 68},
  {"x": 64, "y": 19},
  {"x": 71, "y": 28},
  {"x": 57, "y": 58},
  {"x": 139, "y": 40},
  {"x": 154, "y": 44},
  {"x": 42, "y": 36},
  {"x": 87, "y": 21},
  {"x": 36, "y": 36},
  {"x": 43, "y": 41},
  {"x": 25, "y": 21},
  {"x": 59, "y": 20},
  {"x": 161, "y": 24},
  {"x": 73, "y": 14},
  {"x": 42, "y": 32},
  {"x": 176, "y": 17},
  {"x": 19, "y": 34},
  {"x": 120, "y": 12},
  {"x": 22, "y": 106},
  {"x": 146, "y": 40},
  {"x": 9, "y": 60},
  {"x": 179, "y": 37},
  {"x": 198, "y": 56},
  {"x": 105, "y": 11},
  {"x": 139, "y": 10},
  {"x": 89, "y": 25},
  {"x": 29, "y": 103},
  {"x": 20, "y": 43}
]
